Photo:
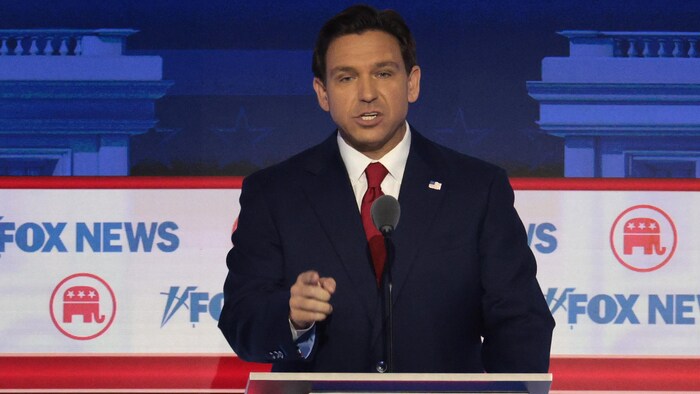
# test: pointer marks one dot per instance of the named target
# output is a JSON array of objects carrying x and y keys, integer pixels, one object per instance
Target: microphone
[{"x": 385, "y": 212}]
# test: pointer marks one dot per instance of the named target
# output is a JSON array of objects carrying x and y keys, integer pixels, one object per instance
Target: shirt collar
[{"x": 394, "y": 160}]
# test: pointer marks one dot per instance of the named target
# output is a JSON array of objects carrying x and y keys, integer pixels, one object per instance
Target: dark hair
[{"x": 359, "y": 19}]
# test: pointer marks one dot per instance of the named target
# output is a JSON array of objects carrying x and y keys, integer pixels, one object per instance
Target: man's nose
[{"x": 368, "y": 90}]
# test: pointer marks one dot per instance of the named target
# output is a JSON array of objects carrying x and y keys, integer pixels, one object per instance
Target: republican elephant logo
[
  {"x": 643, "y": 238},
  {"x": 82, "y": 301},
  {"x": 83, "y": 306},
  {"x": 643, "y": 233}
]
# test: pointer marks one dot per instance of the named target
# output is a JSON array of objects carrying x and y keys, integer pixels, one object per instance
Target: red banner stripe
[
  {"x": 77, "y": 182},
  {"x": 604, "y": 184},
  {"x": 118, "y": 182},
  {"x": 125, "y": 372},
  {"x": 214, "y": 372},
  {"x": 629, "y": 374}
]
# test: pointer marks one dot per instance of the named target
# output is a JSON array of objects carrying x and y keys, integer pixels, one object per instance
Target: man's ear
[
  {"x": 321, "y": 94},
  {"x": 414, "y": 84}
]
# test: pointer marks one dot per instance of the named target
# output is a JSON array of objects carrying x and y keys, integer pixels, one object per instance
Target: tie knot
[{"x": 376, "y": 173}]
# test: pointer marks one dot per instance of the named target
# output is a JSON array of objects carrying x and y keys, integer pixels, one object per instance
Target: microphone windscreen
[{"x": 385, "y": 213}]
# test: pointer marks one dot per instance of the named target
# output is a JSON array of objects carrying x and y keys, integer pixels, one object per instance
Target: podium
[{"x": 395, "y": 383}]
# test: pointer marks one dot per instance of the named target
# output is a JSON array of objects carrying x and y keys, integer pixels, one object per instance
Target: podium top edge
[{"x": 400, "y": 377}]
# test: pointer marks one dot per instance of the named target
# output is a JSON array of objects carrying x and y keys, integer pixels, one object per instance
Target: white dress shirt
[{"x": 394, "y": 161}]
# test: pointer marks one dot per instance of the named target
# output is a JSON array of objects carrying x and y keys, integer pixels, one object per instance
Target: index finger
[
  {"x": 308, "y": 278},
  {"x": 328, "y": 284}
]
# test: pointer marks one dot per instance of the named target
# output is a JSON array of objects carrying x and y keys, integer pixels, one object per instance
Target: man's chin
[
  {"x": 374, "y": 149},
  {"x": 367, "y": 142}
]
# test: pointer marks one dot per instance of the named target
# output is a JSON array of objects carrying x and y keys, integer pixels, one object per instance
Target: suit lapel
[
  {"x": 419, "y": 205},
  {"x": 329, "y": 191}
]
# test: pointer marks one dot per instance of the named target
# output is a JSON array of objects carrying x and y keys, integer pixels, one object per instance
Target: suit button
[{"x": 381, "y": 366}]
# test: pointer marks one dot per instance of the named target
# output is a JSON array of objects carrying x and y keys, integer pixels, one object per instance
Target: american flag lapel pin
[{"x": 435, "y": 185}]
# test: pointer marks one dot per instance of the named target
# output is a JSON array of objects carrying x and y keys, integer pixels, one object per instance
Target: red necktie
[{"x": 375, "y": 175}]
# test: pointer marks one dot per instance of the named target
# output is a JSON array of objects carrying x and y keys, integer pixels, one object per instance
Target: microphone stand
[
  {"x": 385, "y": 213},
  {"x": 387, "y": 285}
]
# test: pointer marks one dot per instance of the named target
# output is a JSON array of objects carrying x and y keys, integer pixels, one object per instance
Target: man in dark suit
[{"x": 304, "y": 289}]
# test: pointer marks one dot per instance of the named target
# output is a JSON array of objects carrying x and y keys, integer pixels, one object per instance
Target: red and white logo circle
[
  {"x": 643, "y": 238},
  {"x": 83, "y": 306}
]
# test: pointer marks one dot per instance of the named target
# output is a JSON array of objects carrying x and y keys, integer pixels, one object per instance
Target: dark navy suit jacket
[{"x": 463, "y": 270}]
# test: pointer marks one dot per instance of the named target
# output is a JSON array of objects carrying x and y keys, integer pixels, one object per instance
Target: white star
[
  {"x": 652, "y": 226},
  {"x": 91, "y": 294},
  {"x": 630, "y": 226},
  {"x": 70, "y": 294},
  {"x": 81, "y": 294},
  {"x": 642, "y": 226}
]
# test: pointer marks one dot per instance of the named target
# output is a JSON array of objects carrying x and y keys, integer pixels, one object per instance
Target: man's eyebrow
[
  {"x": 349, "y": 69},
  {"x": 387, "y": 64},
  {"x": 341, "y": 69}
]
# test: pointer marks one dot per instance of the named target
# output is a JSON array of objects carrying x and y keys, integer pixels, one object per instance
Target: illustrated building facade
[
  {"x": 626, "y": 103},
  {"x": 70, "y": 100}
]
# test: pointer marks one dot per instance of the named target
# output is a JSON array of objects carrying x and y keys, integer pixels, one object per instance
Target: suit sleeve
[
  {"x": 517, "y": 322},
  {"x": 254, "y": 318}
]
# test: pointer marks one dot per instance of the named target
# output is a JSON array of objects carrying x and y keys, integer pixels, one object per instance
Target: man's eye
[
  {"x": 384, "y": 74},
  {"x": 345, "y": 79}
]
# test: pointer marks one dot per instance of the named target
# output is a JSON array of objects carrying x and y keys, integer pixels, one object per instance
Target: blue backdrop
[{"x": 241, "y": 96}]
